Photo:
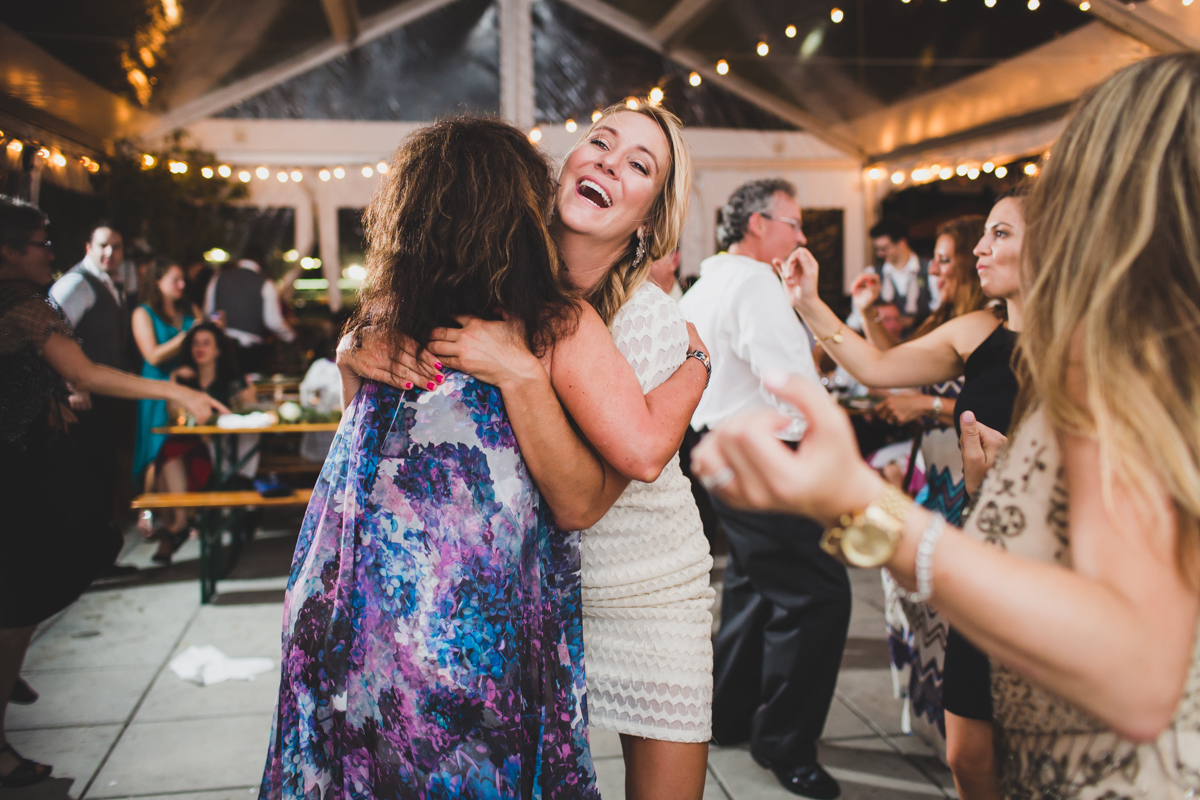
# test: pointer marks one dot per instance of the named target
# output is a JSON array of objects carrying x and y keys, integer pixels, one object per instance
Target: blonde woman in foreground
[{"x": 1078, "y": 571}]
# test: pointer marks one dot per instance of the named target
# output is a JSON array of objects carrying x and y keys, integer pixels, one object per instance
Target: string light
[
  {"x": 1001, "y": 172},
  {"x": 722, "y": 67},
  {"x": 291, "y": 256},
  {"x": 207, "y": 172},
  {"x": 148, "y": 161},
  {"x": 763, "y": 48},
  {"x": 1034, "y": 4},
  {"x": 1187, "y": 2},
  {"x": 988, "y": 166},
  {"x": 297, "y": 175},
  {"x": 897, "y": 178},
  {"x": 1086, "y": 6},
  {"x": 694, "y": 79},
  {"x": 324, "y": 175},
  {"x": 282, "y": 176},
  {"x": 946, "y": 173},
  {"x": 962, "y": 170},
  {"x": 15, "y": 146},
  {"x": 367, "y": 171},
  {"x": 570, "y": 126},
  {"x": 836, "y": 15},
  {"x": 990, "y": 3},
  {"x": 244, "y": 176},
  {"x": 1031, "y": 169},
  {"x": 972, "y": 173},
  {"x": 224, "y": 171},
  {"x": 596, "y": 115},
  {"x": 535, "y": 135},
  {"x": 59, "y": 160},
  {"x": 790, "y": 31},
  {"x": 263, "y": 173},
  {"x": 873, "y": 173},
  {"x": 339, "y": 173},
  {"x": 920, "y": 175},
  {"x": 656, "y": 96},
  {"x": 177, "y": 167},
  {"x": 632, "y": 104}
]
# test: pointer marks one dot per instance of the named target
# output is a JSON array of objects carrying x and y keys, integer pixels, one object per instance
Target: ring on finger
[{"x": 718, "y": 479}]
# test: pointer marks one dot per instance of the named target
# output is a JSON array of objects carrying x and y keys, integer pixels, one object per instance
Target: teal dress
[{"x": 153, "y": 413}]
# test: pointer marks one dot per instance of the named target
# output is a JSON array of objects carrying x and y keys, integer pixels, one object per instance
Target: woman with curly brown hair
[{"x": 432, "y": 632}]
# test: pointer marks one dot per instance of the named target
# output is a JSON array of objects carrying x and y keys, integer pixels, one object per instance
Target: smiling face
[
  {"x": 106, "y": 249},
  {"x": 204, "y": 348},
  {"x": 609, "y": 182},
  {"x": 999, "y": 251},
  {"x": 942, "y": 266},
  {"x": 172, "y": 284}
]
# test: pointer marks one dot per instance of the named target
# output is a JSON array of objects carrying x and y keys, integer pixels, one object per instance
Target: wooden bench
[
  {"x": 288, "y": 465},
  {"x": 212, "y": 524}
]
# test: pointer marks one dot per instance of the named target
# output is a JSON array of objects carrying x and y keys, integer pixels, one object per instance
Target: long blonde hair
[
  {"x": 1112, "y": 260},
  {"x": 665, "y": 221}
]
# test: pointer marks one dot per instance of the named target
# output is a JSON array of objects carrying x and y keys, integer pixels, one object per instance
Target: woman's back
[{"x": 433, "y": 609}]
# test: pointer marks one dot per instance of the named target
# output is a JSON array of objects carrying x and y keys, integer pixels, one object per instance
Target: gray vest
[
  {"x": 101, "y": 330},
  {"x": 239, "y": 295}
]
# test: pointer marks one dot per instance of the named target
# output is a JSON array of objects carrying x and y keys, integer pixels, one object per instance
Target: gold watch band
[{"x": 868, "y": 537}]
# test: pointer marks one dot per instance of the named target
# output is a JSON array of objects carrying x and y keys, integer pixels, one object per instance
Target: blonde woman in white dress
[{"x": 647, "y": 617}]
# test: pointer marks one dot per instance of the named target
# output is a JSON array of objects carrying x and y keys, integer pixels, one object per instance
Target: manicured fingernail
[
  {"x": 437, "y": 365},
  {"x": 408, "y": 384},
  {"x": 439, "y": 378},
  {"x": 774, "y": 378},
  {"x": 430, "y": 385}
]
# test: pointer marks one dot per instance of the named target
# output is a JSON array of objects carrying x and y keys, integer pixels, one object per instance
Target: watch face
[{"x": 866, "y": 546}]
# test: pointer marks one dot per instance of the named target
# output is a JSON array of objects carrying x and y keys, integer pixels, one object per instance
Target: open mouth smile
[{"x": 594, "y": 193}]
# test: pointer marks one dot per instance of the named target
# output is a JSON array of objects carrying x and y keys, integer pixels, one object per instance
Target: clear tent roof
[{"x": 881, "y": 52}]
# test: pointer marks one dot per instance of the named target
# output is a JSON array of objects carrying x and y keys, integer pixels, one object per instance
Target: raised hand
[
  {"x": 800, "y": 273},
  {"x": 748, "y": 467},
  {"x": 980, "y": 445},
  {"x": 865, "y": 291},
  {"x": 369, "y": 356},
  {"x": 495, "y": 352}
]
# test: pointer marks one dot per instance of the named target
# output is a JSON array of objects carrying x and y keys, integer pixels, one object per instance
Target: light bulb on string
[
  {"x": 990, "y": 3},
  {"x": 297, "y": 175},
  {"x": 946, "y": 173},
  {"x": 1034, "y": 5},
  {"x": 1085, "y": 6},
  {"x": 596, "y": 115},
  {"x": 988, "y": 166},
  {"x": 972, "y": 173},
  {"x": 244, "y": 176},
  {"x": 1031, "y": 169},
  {"x": 59, "y": 160},
  {"x": 224, "y": 171},
  {"x": 763, "y": 48},
  {"x": 15, "y": 146},
  {"x": 632, "y": 104},
  {"x": 381, "y": 167},
  {"x": 571, "y": 126},
  {"x": 694, "y": 79},
  {"x": 339, "y": 173},
  {"x": 207, "y": 172},
  {"x": 722, "y": 67},
  {"x": 897, "y": 178},
  {"x": 790, "y": 31},
  {"x": 836, "y": 15},
  {"x": 656, "y": 96},
  {"x": 324, "y": 175},
  {"x": 1001, "y": 172},
  {"x": 262, "y": 173},
  {"x": 873, "y": 173},
  {"x": 367, "y": 171},
  {"x": 283, "y": 177},
  {"x": 535, "y": 135},
  {"x": 962, "y": 170}
]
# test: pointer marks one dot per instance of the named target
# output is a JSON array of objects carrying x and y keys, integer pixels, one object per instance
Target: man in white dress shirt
[
  {"x": 250, "y": 303},
  {"x": 904, "y": 277},
  {"x": 785, "y": 610},
  {"x": 94, "y": 305}
]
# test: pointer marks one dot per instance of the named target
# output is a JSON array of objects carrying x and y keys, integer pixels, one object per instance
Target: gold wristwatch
[{"x": 868, "y": 538}]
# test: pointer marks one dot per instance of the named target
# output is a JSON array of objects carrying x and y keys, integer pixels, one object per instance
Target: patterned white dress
[{"x": 647, "y": 603}]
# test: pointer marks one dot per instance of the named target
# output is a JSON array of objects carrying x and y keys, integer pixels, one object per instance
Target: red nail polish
[
  {"x": 439, "y": 378},
  {"x": 408, "y": 384},
  {"x": 430, "y": 385},
  {"x": 437, "y": 365}
]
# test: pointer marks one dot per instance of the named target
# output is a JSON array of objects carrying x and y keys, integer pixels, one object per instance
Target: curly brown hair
[{"x": 459, "y": 226}]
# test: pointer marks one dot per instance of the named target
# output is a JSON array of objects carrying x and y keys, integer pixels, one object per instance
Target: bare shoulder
[{"x": 967, "y": 332}]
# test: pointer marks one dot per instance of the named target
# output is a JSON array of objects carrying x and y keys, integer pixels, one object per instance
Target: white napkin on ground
[{"x": 207, "y": 665}]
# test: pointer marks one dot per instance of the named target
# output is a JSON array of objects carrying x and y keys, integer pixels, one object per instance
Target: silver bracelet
[{"x": 924, "y": 567}]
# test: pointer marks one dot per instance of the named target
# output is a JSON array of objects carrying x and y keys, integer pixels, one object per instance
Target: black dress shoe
[
  {"x": 806, "y": 780},
  {"x": 22, "y": 693}
]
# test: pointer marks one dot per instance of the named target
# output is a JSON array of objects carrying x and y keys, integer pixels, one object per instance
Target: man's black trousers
[{"x": 785, "y": 613}]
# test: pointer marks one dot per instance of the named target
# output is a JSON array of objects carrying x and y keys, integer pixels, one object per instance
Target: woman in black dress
[
  {"x": 53, "y": 530},
  {"x": 979, "y": 346}
]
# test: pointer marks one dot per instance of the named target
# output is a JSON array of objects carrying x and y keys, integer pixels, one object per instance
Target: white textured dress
[{"x": 647, "y": 603}]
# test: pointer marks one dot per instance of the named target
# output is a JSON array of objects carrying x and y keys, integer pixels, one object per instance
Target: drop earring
[{"x": 640, "y": 255}]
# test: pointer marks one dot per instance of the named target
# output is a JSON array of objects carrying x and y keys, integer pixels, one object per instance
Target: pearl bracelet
[{"x": 924, "y": 567}]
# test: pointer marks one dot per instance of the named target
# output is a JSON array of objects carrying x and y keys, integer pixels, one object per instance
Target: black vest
[
  {"x": 101, "y": 330},
  {"x": 239, "y": 295}
]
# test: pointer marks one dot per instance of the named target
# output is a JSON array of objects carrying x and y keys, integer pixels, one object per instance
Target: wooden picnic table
[{"x": 282, "y": 427}]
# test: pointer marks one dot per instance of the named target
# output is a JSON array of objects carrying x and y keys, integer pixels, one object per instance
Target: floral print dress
[{"x": 432, "y": 640}]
